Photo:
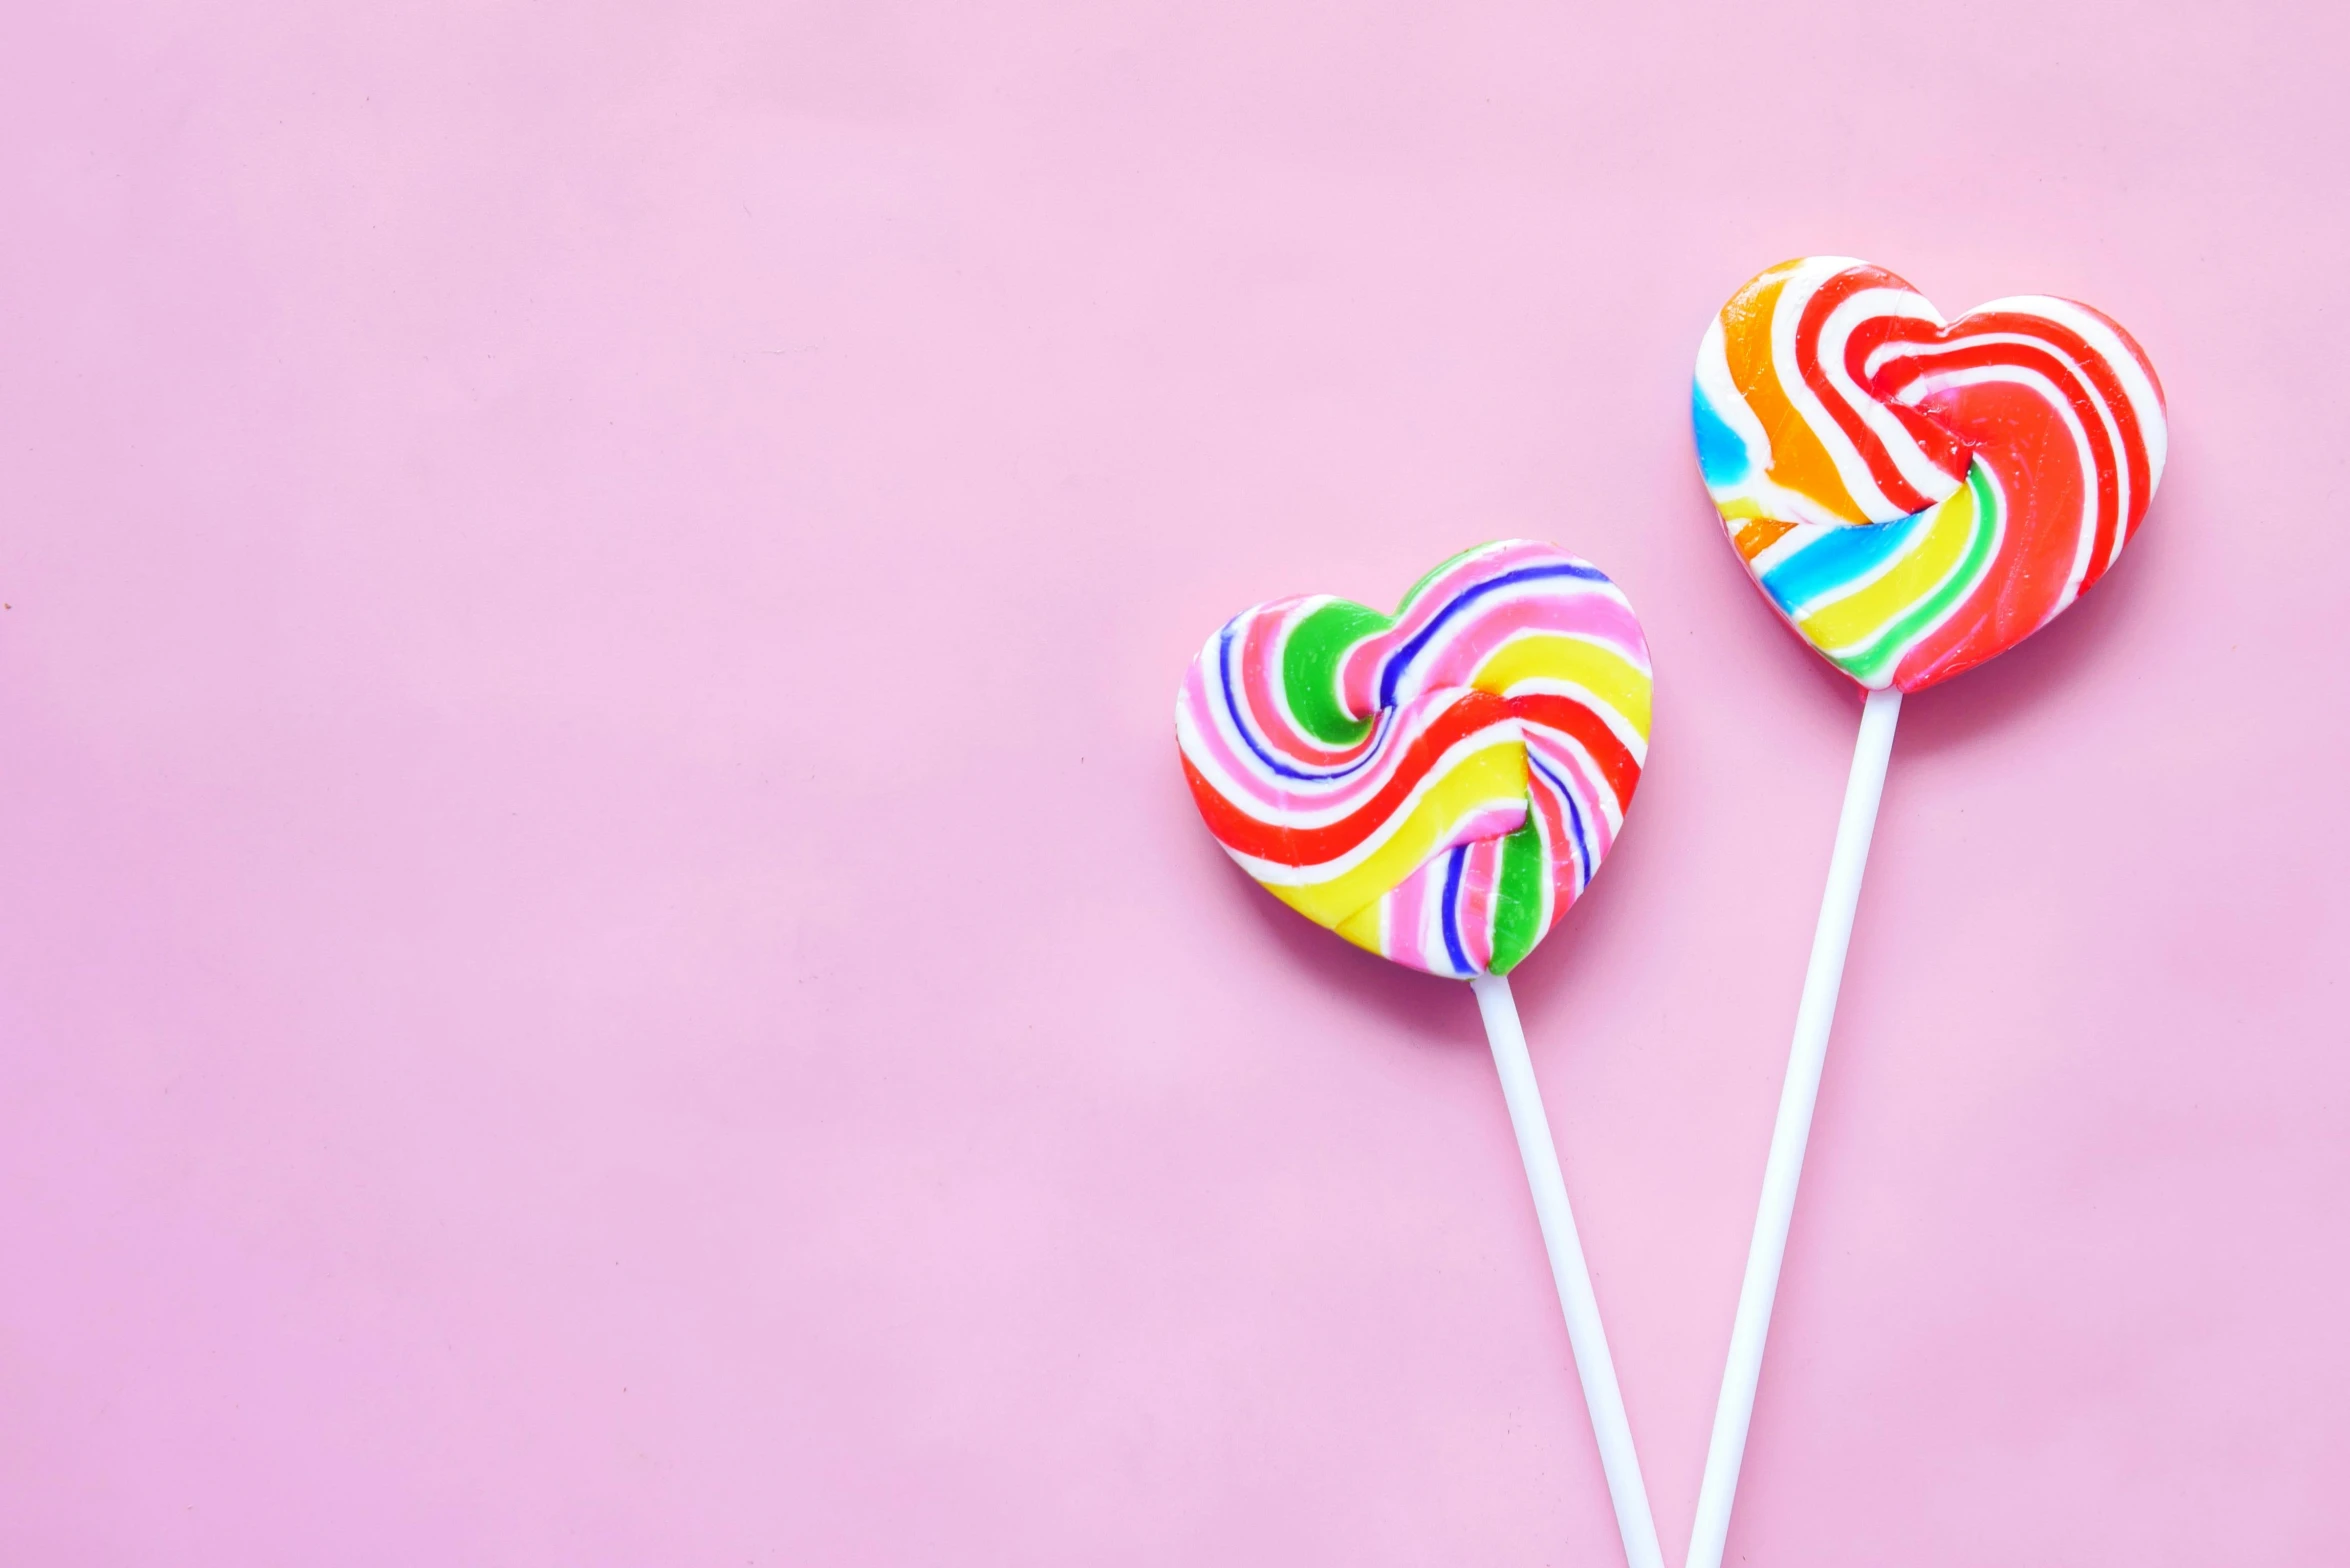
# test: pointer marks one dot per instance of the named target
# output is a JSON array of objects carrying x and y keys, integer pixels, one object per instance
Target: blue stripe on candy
[
  {"x": 1240, "y": 722},
  {"x": 1721, "y": 453},
  {"x": 1452, "y": 918},
  {"x": 1574, "y": 820},
  {"x": 1839, "y": 558},
  {"x": 1402, "y": 658}
]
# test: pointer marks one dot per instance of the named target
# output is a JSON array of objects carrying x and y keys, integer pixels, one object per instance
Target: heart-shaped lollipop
[
  {"x": 1437, "y": 785},
  {"x": 1915, "y": 496}
]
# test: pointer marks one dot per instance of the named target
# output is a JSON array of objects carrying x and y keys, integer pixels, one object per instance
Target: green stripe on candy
[
  {"x": 1309, "y": 665},
  {"x": 1309, "y": 669},
  {"x": 1518, "y": 896},
  {"x": 1872, "y": 662},
  {"x": 1432, "y": 573}
]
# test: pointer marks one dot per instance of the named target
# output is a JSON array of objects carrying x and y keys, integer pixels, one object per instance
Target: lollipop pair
[{"x": 1912, "y": 496}]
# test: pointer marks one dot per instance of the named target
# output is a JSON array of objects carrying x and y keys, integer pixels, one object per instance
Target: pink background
[{"x": 603, "y": 959}]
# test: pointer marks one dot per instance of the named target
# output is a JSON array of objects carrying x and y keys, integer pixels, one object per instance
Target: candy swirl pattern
[
  {"x": 1438, "y": 785},
  {"x": 1915, "y": 496}
]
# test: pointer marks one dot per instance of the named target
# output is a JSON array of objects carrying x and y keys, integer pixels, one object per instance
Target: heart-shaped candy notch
[
  {"x": 1438, "y": 785},
  {"x": 1916, "y": 496}
]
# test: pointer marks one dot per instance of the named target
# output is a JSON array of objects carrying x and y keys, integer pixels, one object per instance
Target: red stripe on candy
[
  {"x": 1569, "y": 717},
  {"x": 1852, "y": 280},
  {"x": 1261, "y": 840}
]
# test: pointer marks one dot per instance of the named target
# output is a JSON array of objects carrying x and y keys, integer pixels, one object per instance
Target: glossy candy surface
[
  {"x": 1438, "y": 785},
  {"x": 1915, "y": 496}
]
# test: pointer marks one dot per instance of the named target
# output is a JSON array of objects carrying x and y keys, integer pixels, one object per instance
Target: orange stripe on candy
[{"x": 1759, "y": 535}]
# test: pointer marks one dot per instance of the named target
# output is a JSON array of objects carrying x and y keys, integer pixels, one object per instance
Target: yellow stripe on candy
[
  {"x": 1366, "y": 928},
  {"x": 1597, "y": 668},
  {"x": 1491, "y": 777},
  {"x": 1861, "y": 616}
]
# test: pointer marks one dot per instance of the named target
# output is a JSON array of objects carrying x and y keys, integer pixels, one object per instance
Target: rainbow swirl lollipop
[
  {"x": 1438, "y": 785},
  {"x": 1915, "y": 496}
]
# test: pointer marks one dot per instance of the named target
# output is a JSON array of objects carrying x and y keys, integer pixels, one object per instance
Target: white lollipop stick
[
  {"x": 1784, "y": 1169},
  {"x": 1593, "y": 1365}
]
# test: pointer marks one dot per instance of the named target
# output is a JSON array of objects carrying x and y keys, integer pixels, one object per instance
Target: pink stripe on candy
[
  {"x": 1478, "y": 876},
  {"x": 1596, "y": 616},
  {"x": 1566, "y": 873},
  {"x": 1565, "y": 759},
  {"x": 1407, "y": 922},
  {"x": 1359, "y": 676},
  {"x": 1259, "y": 655},
  {"x": 1266, "y": 796}
]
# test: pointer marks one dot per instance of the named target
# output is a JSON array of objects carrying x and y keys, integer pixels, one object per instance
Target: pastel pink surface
[{"x": 603, "y": 959}]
